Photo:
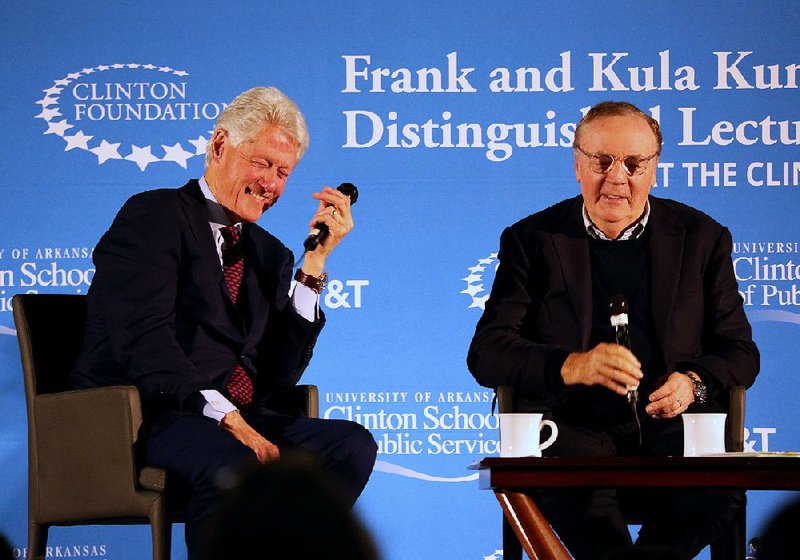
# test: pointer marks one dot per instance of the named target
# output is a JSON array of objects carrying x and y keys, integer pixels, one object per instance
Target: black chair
[
  {"x": 82, "y": 465},
  {"x": 731, "y": 546}
]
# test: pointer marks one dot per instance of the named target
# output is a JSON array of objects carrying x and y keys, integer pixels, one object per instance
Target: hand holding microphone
[
  {"x": 610, "y": 365},
  {"x": 618, "y": 313},
  {"x": 333, "y": 214}
]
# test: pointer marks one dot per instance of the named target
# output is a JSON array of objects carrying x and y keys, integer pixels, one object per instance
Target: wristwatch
[
  {"x": 699, "y": 388},
  {"x": 316, "y": 283}
]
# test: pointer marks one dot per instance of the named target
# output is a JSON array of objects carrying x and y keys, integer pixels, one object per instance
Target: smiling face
[
  {"x": 615, "y": 200},
  {"x": 249, "y": 178}
]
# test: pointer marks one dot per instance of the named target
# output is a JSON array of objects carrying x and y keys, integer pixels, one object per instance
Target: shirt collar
[
  {"x": 216, "y": 213},
  {"x": 633, "y": 231}
]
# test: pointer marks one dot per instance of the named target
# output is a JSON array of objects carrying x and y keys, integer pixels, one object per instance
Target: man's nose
[
  {"x": 617, "y": 172},
  {"x": 268, "y": 178}
]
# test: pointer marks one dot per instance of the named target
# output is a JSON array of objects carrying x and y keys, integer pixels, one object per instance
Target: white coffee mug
[
  {"x": 519, "y": 434},
  {"x": 703, "y": 433}
]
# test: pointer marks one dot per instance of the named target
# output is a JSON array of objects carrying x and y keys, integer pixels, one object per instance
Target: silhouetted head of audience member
[
  {"x": 779, "y": 540},
  {"x": 642, "y": 553},
  {"x": 288, "y": 509},
  {"x": 6, "y": 552}
]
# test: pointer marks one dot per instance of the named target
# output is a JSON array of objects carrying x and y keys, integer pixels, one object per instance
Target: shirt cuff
[
  {"x": 216, "y": 406},
  {"x": 305, "y": 302}
]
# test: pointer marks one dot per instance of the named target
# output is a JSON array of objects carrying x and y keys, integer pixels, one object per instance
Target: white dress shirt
[{"x": 304, "y": 299}]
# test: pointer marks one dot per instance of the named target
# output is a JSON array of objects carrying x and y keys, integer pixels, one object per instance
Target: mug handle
[{"x": 553, "y": 436}]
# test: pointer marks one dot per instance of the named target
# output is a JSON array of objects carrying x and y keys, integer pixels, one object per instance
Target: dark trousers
[
  {"x": 208, "y": 460},
  {"x": 590, "y": 522}
]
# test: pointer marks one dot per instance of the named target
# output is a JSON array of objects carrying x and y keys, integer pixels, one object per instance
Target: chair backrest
[{"x": 50, "y": 332}]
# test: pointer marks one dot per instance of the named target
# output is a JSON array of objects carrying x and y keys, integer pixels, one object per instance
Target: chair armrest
[
  {"x": 734, "y": 425},
  {"x": 84, "y": 451},
  {"x": 505, "y": 399},
  {"x": 297, "y": 400}
]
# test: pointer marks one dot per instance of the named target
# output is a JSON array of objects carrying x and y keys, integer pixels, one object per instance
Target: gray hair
[
  {"x": 256, "y": 108},
  {"x": 618, "y": 109}
]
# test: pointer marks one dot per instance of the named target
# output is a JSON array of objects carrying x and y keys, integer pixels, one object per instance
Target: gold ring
[
  {"x": 680, "y": 404},
  {"x": 333, "y": 213}
]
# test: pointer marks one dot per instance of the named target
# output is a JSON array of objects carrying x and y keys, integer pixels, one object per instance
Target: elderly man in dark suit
[
  {"x": 546, "y": 330},
  {"x": 190, "y": 303}
]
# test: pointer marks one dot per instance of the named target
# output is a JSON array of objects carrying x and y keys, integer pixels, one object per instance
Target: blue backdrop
[{"x": 455, "y": 119}]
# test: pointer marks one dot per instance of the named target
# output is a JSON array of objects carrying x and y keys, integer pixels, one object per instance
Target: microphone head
[
  {"x": 350, "y": 190},
  {"x": 618, "y": 309}
]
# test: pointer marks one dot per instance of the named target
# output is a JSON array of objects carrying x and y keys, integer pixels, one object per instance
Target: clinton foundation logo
[
  {"x": 479, "y": 281},
  {"x": 141, "y": 113}
]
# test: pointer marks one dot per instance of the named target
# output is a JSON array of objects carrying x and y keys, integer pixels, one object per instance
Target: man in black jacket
[
  {"x": 546, "y": 330},
  {"x": 190, "y": 302}
]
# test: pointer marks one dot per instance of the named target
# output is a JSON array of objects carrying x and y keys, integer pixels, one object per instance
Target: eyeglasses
[{"x": 603, "y": 163}]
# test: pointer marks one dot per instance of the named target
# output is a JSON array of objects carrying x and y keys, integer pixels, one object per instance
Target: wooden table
[{"x": 511, "y": 477}]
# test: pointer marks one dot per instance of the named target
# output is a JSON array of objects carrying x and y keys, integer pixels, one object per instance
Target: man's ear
[
  {"x": 577, "y": 169},
  {"x": 219, "y": 142}
]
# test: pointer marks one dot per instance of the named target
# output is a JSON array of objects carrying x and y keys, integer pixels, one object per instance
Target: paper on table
[{"x": 754, "y": 454}]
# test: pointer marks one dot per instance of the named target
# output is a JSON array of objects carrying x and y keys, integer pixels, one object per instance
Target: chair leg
[
  {"x": 512, "y": 548},
  {"x": 161, "y": 527},
  {"x": 733, "y": 543},
  {"x": 37, "y": 540}
]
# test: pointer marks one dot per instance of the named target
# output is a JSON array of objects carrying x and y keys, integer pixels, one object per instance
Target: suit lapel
[
  {"x": 254, "y": 269},
  {"x": 197, "y": 218},
  {"x": 572, "y": 247},
  {"x": 666, "y": 255}
]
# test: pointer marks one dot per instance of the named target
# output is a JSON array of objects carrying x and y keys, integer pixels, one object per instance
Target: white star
[
  {"x": 149, "y": 66},
  {"x": 103, "y": 67},
  {"x": 471, "y": 278},
  {"x": 74, "y": 75},
  {"x": 477, "y": 268},
  {"x": 77, "y": 140},
  {"x": 199, "y": 145},
  {"x": 486, "y": 261},
  {"x": 106, "y": 151},
  {"x": 117, "y": 66},
  {"x": 62, "y": 82},
  {"x": 52, "y": 91},
  {"x": 181, "y": 73},
  {"x": 88, "y": 71},
  {"x": 48, "y": 114},
  {"x": 47, "y": 101},
  {"x": 133, "y": 65},
  {"x": 141, "y": 156},
  {"x": 164, "y": 69},
  {"x": 479, "y": 302},
  {"x": 57, "y": 128},
  {"x": 473, "y": 289},
  {"x": 177, "y": 154}
]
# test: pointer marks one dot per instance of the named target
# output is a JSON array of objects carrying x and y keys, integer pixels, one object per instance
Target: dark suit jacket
[
  {"x": 159, "y": 316},
  {"x": 540, "y": 308}
]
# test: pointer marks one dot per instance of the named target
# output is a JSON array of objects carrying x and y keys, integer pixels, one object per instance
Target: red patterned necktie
[{"x": 240, "y": 384}]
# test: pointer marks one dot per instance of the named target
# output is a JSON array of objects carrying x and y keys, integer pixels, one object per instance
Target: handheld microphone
[
  {"x": 320, "y": 231},
  {"x": 618, "y": 312}
]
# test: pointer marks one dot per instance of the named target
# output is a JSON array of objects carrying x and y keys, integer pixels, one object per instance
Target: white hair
[{"x": 256, "y": 108}]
